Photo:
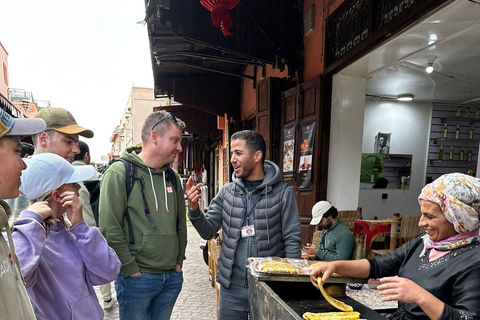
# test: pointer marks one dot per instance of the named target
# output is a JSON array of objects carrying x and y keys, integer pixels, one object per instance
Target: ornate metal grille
[{"x": 357, "y": 21}]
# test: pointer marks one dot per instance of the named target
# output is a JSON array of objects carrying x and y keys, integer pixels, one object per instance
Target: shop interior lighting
[
  {"x": 430, "y": 60},
  {"x": 405, "y": 97}
]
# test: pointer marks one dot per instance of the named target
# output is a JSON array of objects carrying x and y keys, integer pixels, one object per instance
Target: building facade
[{"x": 311, "y": 86}]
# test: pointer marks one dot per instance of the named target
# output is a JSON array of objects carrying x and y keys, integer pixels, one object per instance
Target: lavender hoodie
[{"x": 61, "y": 269}]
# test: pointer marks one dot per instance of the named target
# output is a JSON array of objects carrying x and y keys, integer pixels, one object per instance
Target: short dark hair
[
  {"x": 27, "y": 148},
  {"x": 332, "y": 212},
  {"x": 253, "y": 140},
  {"x": 83, "y": 150}
]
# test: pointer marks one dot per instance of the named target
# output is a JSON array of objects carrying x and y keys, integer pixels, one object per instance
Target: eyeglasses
[{"x": 163, "y": 118}]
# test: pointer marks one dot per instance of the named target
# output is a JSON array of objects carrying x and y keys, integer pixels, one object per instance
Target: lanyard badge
[{"x": 248, "y": 231}]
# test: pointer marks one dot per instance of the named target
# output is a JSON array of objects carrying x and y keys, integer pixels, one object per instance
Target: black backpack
[{"x": 93, "y": 186}]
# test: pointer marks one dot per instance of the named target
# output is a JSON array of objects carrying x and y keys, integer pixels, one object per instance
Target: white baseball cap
[
  {"x": 47, "y": 171},
  {"x": 10, "y": 126},
  {"x": 318, "y": 210}
]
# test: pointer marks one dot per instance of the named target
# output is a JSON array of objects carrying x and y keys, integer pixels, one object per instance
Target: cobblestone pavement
[{"x": 197, "y": 298}]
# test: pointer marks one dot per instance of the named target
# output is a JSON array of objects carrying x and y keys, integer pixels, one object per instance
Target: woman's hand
[
  {"x": 325, "y": 270},
  {"x": 73, "y": 206},
  {"x": 41, "y": 208},
  {"x": 400, "y": 289},
  {"x": 405, "y": 290}
]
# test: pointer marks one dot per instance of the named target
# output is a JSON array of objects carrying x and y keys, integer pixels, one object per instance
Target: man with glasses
[{"x": 147, "y": 228}]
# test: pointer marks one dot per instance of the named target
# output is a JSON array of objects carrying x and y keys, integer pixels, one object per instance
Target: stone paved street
[{"x": 197, "y": 298}]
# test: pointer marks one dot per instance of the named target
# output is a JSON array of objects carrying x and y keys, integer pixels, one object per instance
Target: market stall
[{"x": 288, "y": 295}]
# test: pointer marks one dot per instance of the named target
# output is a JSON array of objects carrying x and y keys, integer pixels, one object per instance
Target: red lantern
[{"x": 221, "y": 13}]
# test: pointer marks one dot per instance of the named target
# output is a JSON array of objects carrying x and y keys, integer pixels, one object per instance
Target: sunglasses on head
[{"x": 163, "y": 118}]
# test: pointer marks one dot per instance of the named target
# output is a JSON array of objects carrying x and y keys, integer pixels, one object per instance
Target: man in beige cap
[
  {"x": 59, "y": 137},
  {"x": 336, "y": 240}
]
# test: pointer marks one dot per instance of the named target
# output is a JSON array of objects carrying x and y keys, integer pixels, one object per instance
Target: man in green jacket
[
  {"x": 336, "y": 240},
  {"x": 152, "y": 253}
]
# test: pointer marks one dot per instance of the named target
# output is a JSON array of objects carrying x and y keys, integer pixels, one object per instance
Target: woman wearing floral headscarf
[{"x": 439, "y": 270}]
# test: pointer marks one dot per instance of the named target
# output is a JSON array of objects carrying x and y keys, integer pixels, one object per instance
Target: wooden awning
[
  {"x": 191, "y": 57},
  {"x": 196, "y": 121},
  {"x": 10, "y": 108}
]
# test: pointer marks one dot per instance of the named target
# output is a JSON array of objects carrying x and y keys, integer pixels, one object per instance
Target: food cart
[{"x": 276, "y": 296}]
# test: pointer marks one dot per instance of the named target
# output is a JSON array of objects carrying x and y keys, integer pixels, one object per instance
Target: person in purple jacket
[{"x": 61, "y": 259}]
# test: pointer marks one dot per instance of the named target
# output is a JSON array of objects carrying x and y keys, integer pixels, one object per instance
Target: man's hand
[
  {"x": 72, "y": 204},
  {"x": 178, "y": 268},
  {"x": 136, "y": 274},
  {"x": 193, "y": 194},
  {"x": 310, "y": 250},
  {"x": 42, "y": 209}
]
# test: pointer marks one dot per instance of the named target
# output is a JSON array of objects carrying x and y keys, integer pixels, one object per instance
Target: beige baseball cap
[{"x": 61, "y": 120}]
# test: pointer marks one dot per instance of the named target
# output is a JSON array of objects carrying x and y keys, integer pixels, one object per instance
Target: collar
[{"x": 334, "y": 225}]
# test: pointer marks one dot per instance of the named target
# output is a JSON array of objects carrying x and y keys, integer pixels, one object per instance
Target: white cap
[
  {"x": 47, "y": 171},
  {"x": 318, "y": 210}
]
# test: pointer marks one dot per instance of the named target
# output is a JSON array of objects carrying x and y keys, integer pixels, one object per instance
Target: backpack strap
[
  {"x": 170, "y": 176},
  {"x": 130, "y": 173},
  {"x": 145, "y": 204},
  {"x": 130, "y": 178}
]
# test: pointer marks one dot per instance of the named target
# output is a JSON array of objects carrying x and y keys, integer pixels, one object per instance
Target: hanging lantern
[{"x": 221, "y": 13}]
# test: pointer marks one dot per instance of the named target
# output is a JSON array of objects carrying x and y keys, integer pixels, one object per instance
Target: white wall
[
  {"x": 409, "y": 123},
  {"x": 346, "y": 132}
]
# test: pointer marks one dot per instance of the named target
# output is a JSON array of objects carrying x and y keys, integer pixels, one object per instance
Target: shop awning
[
  {"x": 189, "y": 53},
  {"x": 10, "y": 108},
  {"x": 196, "y": 121}
]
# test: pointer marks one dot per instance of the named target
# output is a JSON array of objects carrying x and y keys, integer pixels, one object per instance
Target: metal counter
[{"x": 274, "y": 297}]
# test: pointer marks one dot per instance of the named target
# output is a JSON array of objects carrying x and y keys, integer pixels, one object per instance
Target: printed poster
[
  {"x": 288, "y": 153},
  {"x": 306, "y": 155}
]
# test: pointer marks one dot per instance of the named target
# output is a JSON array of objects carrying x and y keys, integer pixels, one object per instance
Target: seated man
[{"x": 336, "y": 240}]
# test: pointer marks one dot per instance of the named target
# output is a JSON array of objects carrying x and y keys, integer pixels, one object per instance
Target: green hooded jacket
[{"x": 156, "y": 249}]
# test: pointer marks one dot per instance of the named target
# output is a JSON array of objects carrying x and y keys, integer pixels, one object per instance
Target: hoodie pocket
[{"x": 158, "y": 250}]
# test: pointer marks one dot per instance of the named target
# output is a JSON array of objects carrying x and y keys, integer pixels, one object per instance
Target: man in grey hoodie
[{"x": 259, "y": 216}]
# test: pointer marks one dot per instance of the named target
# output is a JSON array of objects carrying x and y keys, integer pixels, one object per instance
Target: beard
[{"x": 246, "y": 169}]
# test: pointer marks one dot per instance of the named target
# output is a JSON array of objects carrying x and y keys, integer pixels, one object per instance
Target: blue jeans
[
  {"x": 233, "y": 303},
  {"x": 149, "y": 296}
]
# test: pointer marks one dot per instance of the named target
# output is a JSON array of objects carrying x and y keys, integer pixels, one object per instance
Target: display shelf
[
  {"x": 446, "y": 116},
  {"x": 436, "y": 140},
  {"x": 459, "y": 120},
  {"x": 432, "y": 161}
]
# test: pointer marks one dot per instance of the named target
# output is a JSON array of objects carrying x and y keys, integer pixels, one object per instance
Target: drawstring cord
[
  {"x": 165, "y": 189},
  {"x": 231, "y": 208},
  {"x": 153, "y": 188},
  {"x": 266, "y": 213}
]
